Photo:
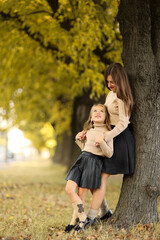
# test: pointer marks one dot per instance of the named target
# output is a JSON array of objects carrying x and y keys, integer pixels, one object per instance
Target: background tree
[
  {"x": 140, "y": 29},
  {"x": 52, "y": 51}
]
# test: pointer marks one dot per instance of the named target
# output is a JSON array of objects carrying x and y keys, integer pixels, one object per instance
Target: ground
[{"x": 34, "y": 206}]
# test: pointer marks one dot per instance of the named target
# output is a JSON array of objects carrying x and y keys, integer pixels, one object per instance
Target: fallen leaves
[{"x": 35, "y": 206}]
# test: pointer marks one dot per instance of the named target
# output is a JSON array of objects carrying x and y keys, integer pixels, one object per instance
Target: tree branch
[
  {"x": 54, "y": 5},
  {"x": 103, "y": 5},
  {"x": 37, "y": 36},
  {"x": 152, "y": 191},
  {"x": 42, "y": 11}
]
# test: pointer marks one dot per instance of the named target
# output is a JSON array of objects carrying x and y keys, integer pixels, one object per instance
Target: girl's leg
[
  {"x": 82, "y": 194},
  {"x": 77, "y": 203},
  {"x": 71, "y": 187}
]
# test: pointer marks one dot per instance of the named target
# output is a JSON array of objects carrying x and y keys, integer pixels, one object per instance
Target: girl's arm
[
  {"x": 80, "y": 139},
  {"x": 106, "y": 147},
  {"x": 121, "y": 125}
]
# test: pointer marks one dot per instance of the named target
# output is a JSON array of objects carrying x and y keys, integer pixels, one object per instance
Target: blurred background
[{"x": 52, "y": 58}]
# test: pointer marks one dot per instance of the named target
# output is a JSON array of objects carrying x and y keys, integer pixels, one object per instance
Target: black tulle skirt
[
  {"x": 86, "y": 171},
  {"x": 122, "y": 161}
]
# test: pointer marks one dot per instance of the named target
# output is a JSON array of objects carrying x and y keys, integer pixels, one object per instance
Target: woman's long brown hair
[
  {"x": 120, "y": 78},
  {"x": 89, "y": 124}
]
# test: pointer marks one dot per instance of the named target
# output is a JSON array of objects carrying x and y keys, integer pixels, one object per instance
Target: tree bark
[
  {"x": 63, "y": 149},
  {"x": 140, "y": 29}
]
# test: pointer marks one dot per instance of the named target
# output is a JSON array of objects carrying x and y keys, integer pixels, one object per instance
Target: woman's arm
[
  {"x": 106, "y": 147},
  {"x": 121, "y": 125}
]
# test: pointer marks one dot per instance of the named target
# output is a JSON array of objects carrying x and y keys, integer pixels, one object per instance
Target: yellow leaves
[
  {"x": 69, "y": 9},
  {"x": 61, "y": 115},
  {"x": 49, "y": 18},
  {"x": 140, "y": 228},
  {"x": 38, "y": 1},
  {"x": 57, "y": 57},
  {"x": 47, "y": 129},
  {"x": 44, "y": 18},
  {"x": 48, "y": 133},
  {"x": 93, "y": 237},
  {"x": 123, "y": 230},
  {"x": 145, "y": 227},
  {"x": 7, "y": 195},
  {"x": 51, "y": 143},
  {"x": 39, "y": 20},
  {"x": 30, "y": 220},
  {"x": 41, "y": 209},
  {"x": 63, "y": 2}
]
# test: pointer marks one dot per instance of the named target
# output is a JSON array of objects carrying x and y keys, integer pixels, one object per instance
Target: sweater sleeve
[
  {"x": 122, "y": 122},
  {"x": 107, "y": 148},
  {"x": 80, "y": 143}
]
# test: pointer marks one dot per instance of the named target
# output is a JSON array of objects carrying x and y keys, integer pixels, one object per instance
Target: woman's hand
[
  {"x": 99, "y": 140},
  {"x": 81, "y": 136}
]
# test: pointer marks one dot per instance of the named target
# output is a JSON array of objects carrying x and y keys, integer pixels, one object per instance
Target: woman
[{"x": 119, "y": 103}]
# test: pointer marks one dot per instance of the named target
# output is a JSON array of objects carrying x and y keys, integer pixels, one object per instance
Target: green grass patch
[{"x": 34, "y": 205}]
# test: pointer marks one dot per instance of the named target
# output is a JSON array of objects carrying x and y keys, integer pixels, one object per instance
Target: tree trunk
[
  {"x": 139, "y": 25},
  {"x": 6, "y": 146},
  {"x": 63, "y": 149}
]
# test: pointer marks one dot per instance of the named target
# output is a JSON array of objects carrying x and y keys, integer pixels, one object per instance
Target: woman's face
[{"x": 110, "y": 83}]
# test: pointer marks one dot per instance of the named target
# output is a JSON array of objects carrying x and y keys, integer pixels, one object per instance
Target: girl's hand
[
  {"x": 81, "y": 136},
  {"x": 99, "y": 140}
]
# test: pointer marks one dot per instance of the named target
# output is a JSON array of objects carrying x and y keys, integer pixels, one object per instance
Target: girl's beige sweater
[
  {"x": 105, "y": 148},
  {"x": 117, "y": 114}
]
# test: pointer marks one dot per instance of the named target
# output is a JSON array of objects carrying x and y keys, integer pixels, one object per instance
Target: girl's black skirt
[
  {"x": 122, "y": 161},
  {"x": 86, "y": 171}
]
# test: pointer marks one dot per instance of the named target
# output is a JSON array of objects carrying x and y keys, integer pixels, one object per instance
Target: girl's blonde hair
[
  {"x": 120, "y": 78},
  {"x": 90, "y": 124}
]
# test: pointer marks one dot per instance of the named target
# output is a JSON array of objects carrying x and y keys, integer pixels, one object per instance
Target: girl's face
[
  {"x": 98, "y": 114},
  {"x": 110, "y": 83}
]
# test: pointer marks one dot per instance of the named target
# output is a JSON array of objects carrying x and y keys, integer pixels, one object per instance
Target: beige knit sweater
[
  {"x": 117, "y": 114},
  {"x": 105, "y": 148}
]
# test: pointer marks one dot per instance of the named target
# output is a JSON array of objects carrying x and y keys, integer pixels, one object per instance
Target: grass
[{"x": 34, "y": 206}]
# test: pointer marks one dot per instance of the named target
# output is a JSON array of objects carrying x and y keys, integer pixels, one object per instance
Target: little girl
[{"x": 86, "y": 171}]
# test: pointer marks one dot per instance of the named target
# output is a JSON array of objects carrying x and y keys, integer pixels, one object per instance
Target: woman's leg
[
  {"x": 82, "y": 192},
  {"x": 98, "y": 197}
]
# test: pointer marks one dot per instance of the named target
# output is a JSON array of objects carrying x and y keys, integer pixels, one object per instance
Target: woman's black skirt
[
  {"x": 122, "y": 161},
  {"x": 86, "y": 171}
]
